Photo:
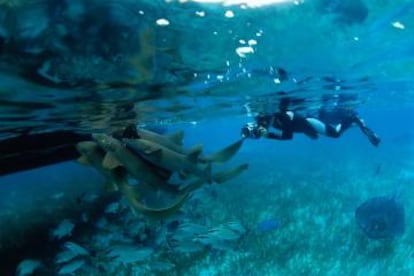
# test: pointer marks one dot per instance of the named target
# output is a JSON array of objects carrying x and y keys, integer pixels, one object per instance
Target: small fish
[
  {"x": 65, "y": 256},
  {"x": 84, "y": 217},
  {"x": 187, "y": 246},
  {"x": 64, "y": 229},
  {"x": 87, "y": 198},
  {"x": 112, "y": 208},
  {"x": 71, "y": 267},
  {"x": 101, "y": 223},
  {"x": 72, "y": 251},
  {"x": 378, "y": 169},
  {"x": 189, "y": 230},
  {"x": 218, "y": 234},
  {"x": 127, "y": 254},
  {"x": 57, "y": 196},
  {"x": 236, "y": 226},
  {"x": 268, "y": 225},
  {"x": 28, "y": 267},
  {"x": 76, "y": 248},
  {"x": 223, "y": 236},
  {"x": 161, "y": 266}
]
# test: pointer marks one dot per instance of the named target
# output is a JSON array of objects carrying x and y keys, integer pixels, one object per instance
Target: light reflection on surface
[{"x": 248, "y": 3}]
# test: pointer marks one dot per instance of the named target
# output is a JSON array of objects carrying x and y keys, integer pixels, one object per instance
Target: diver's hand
[
  {"x": 246, "y": 132},
  {"x": 262, "y": 131},
  {"x": 250, "y": 130},
  {"x": 253, "y": 131}
]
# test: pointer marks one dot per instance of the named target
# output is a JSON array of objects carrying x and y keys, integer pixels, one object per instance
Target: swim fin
[{"x": 372, "y": 136}]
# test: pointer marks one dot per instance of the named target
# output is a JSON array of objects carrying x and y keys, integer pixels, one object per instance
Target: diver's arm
[
  {"x": 285, "y": 135},
  {"x": 253, "y": 131}
]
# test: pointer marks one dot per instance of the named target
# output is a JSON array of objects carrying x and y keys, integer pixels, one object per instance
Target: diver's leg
[
  {"x": 319, "y": 127},
  {"x": 372, "y": 136},
  {"x": 333, "y": 132}
]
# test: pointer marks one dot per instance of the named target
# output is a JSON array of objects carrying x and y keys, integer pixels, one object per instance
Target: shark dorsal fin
[
  {"x": 84, "y": 160},
  {"x": 110, "y": 162},
  {"x": 223, "y": 176},
  {"x": 225, "y": 154},
  {"x": 194, "y": 152},
  {"x": 177, "y": 137}
]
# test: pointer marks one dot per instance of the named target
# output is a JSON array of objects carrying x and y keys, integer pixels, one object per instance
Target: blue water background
[{"x": 311, "y": 186}]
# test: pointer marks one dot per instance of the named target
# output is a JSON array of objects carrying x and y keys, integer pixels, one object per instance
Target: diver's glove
[{"x": 252, "y": 130}]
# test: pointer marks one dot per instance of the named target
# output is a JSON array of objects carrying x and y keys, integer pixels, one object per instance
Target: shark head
[
  {"x": 86, "y": 147},
  {"x": 107, "y": 142}
]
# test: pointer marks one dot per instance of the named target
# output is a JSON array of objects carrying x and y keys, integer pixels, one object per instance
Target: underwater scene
[{"x": 222, "y": 137}]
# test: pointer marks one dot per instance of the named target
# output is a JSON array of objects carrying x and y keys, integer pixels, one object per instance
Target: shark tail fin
[
  {"x": 224, "y": 154},
  {"x": 226, "y": 175},
  {"x": 133, "y": 197}
]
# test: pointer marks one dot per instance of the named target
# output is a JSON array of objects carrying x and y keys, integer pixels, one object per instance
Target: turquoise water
[{"x": 97, "y": 66}]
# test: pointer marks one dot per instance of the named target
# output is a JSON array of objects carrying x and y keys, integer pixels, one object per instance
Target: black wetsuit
[
  {"x": 289, "y": 122},
  {"x": 331, "y": 124},
  {"x": 347, "y": 117},
  {"x": 342, "y": 116}
]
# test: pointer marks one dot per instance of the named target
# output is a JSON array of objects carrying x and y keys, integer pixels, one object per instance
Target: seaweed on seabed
[{"x": 375, "y": 249}]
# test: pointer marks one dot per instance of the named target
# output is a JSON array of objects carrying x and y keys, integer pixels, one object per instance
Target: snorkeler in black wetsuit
[{"x": 289, "y": 122}]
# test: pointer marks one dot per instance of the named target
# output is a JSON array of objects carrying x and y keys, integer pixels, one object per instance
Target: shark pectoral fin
[
  {"x": 224, "y": 154},
  {"x": 194, "y": 153},
  {"x": 226, "y": 175},
  {"x": 110, "y": 162},
  {"x": 83, "y": 160},
  {"x": 176, "y": 137}
]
